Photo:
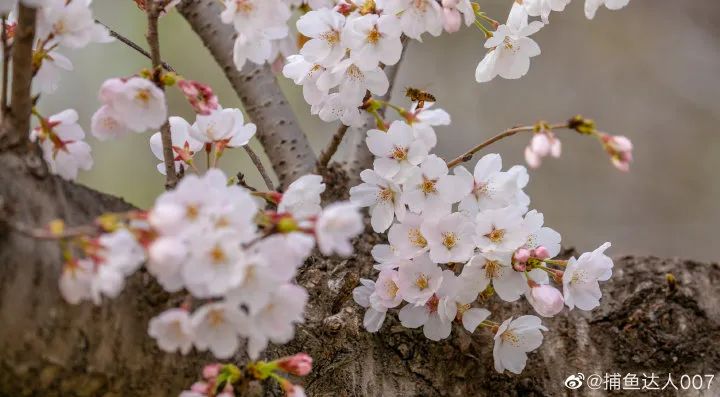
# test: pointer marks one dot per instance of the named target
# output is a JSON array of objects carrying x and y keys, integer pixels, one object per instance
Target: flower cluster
[
  {"x": 222, "y": 380},
  {"x": 454, "y": 236},
  {"x": 61, "y": 139},
  {"x": 218, "y": 243}
]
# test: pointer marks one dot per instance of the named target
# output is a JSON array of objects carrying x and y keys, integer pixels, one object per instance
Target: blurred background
[{"x": 649, "y": 72}]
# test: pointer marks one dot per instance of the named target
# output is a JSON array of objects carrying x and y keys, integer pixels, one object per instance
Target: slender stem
[
  {"x": 134, "y": 46},
  {"x": 261, "y": 169},
  {"x": 333, "y": 146},
  {"x": 5, "y": 66},
  {"x": 153, "y": 14},
  {"x": 467, "y": 156}
]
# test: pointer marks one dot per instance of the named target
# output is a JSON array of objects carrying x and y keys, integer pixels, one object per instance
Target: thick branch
[
  {"x": 17, "y": 126},
  {"x": 278, "y": 131},
  {"x": 5, "y": 67},
  {"x": 153, "y": 38}
]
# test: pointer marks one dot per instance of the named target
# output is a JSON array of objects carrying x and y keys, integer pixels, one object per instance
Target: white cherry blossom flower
[
  {"x": 382, "y": 196},
  {"x": 136, "y": 103},
  {"x": 373, "y": 39},
  {"x": 70, "y": 24},
  {"x": 216, "y": 265},
  {"x": 324, "y": 28},
  {"x": 306, "y": 74},
  {"x": 387, "y": 291},
  {"x": 173, "y": 331},
  {"x": 496, "y": 268},
  {"x": 105, "y": 126},
  {"x": 353, "y": 83},
  {"x": 510, "y": 48},
  {"x": 542, "y": 144},
  {"x": 417, "y": 16},
  {"x": 430, "y": 190},
  {"x": 61, "y": 139},
  {"x": 276, "y": 321},
  {"x": 184, "y": 146},
  {"x": 491, "y": 188},
  {"x": 500, "y": 230},
  {"x": 397, "y": 151},
  {"x": 539, "y": 236},
  {"x": 336, "y": 226},
  {"x": 580, "y": 280},
  {"x": 591, "y": 6},
  {"x": 223, "y": 126},
  {"x": 122, "y": 251},
  {"x": 47, "y": 77},
  {"x": 166, "y": 256},
  {"x": 406, "y": 237},
  {"x": 76, "y": 280},
  {"x": 423, "y": 119},
  {"x": 514, "y": 339},
  {"x": 215, "y": 326},
  {"x": 302, "y": 197},
  {"x": 419, "y": 280},
  {"x": 437, "y": 314},
  {"x": 373, "y": 319},
  {"x": 542, "y": 8},
  {"x": 450, "y": 238}
]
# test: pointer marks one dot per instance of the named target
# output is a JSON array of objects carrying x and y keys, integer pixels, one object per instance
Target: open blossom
[
  {"x": 382, "y": 196},
  {"x": 430, "y": 190},
  {"x": 61, "y": 140},
  {"x": 136, "y": 103},
  {"x": 373, "y": 39},
  {"x": 620, "y": 150},
  {"x": 173, "y": 331},
  {"x": 542, "y": 8},
  {"x": 419, "y": 280},
  {"x": 183, "y": 145},
  {"x": 306, "y": 74},
  {"x": 406, "y": 237},
  {"x": 580, "y": 280},
  {"x": 500, "y": 230},
  {"x": 226, "y": 127},
  {"x": 47, "y": 77},
  {"x": 336, "y": 226},
  {"x": 353, "y": 83},
  {"x": 374, "y": 318},
  {"x": 216, "y": 326},
  {"x": 510, "y": 48},
  {"x": 435, "y": 315},
  {"x": 492, "y": 188},
  {"x": 591, "y": 6},
  {"x": 76, "y": 279},
  {"x": 450, "y": 238},
  {"x": 514, "y": 339},
  {"x": 70, "y": 24},
  {"x": 542, "y": 144},
  {"x": 396, "y": 150},
  {"x": 423, "y": 119},
  {"x": 324, "y": 28},
  {"x": 417, "y": 16},
  {"x": 276, "y": 321},
  {"x": 302, "y": 197}
]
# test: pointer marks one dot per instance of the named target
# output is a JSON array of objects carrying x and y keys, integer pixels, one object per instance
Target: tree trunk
[{"x": 50, "y": 348}]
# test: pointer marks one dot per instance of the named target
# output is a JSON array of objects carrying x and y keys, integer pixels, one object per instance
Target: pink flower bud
[
  {"x": 620, "y": 150},
  {"x": 452, "y": 20},
  {"x": 546, "y": 300},
  {"x": 299, "y": 364},
  {"x": 211, "y": 371},
  {"x": 541, "y": 253},
  {"x": 522, "y": 255},
  {"x": 201, "y": 96}
]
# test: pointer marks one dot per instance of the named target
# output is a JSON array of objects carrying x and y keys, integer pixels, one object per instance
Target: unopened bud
[{"x": 299, "y": 364}]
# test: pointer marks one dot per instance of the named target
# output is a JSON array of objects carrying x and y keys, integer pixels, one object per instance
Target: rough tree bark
[{"x": 49, "y": 348}]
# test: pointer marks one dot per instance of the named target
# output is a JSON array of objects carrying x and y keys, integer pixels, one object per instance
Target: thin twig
[
  {"x": 258, "y": 164},
  {"x": 332, "y": 147},
  {"x": 153, "y": 14},
  {"x": 134, "y": 45},
  {"x": 467, "y": 156},
  {"x": 5, "y": 67}
]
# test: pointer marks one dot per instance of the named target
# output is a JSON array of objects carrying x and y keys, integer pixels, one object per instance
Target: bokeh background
[{"x": 649, "y": 72}]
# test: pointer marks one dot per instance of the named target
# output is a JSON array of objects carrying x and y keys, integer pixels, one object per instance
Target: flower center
[
  {"x": 192, "y": 212},
  {"x": 422, "y": 281},
  {"x": 374, "y": 36},
  {"x": 428, "y": 186},
  {"x": 216, "y": 317},
  {"x": 416, "y": 238},
  {"x": 354, "y": 73},
  {"x": 391, "y": 288},
  {"x": 432, "y": 303},
  {"x": 496, "y": 235},
  {"x": 449, "y": 240},
  {"x": 492, "y": 269},
  {"x": 244, "y": 6},
  {"x": 386, "y": 194},
  {"x": 400, "y": 153},
  {"x": 510, "y": 337},
  {"x": 332, "y": 37},
  {"x": 217, "y": 255}
]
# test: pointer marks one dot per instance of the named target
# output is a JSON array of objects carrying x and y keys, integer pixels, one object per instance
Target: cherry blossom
[
  {"x": 184, "y": 146},
  {"x": 417, "y": 16},
  {"x": 491, "y": 188},
  {"x": 215, "y": 326},
  {"x": 324, "y": 28},
  {"x": 500, "y": 230},
  {"x": 542, "y": 8},
  {"x": 136, "y": 103},
  {"x": 514, "y": 339},
  {"x": 510, "y": 48},
  {"x": 543, "y": 143},
  {"x": 580, "y": 280},
  {"x": 336, "y": 226},
  {"x": 373, "y": 39},
  {"x": 418, "y": 281},
  {"x": 591, "y": 6},
  {"x": 61, "y": 139},
  {"x": 382, "y": 196},
  {"x": 450, "y": 238},
  {"x": 302, "y": 197},
  {"x": 546, "y": 300},
  {"x": 173, "y": 331},
  {"x": 396, "y": 150}
]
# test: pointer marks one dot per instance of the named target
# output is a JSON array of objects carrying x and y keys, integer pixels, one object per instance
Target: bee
[{"x": 419, "y": 96}]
